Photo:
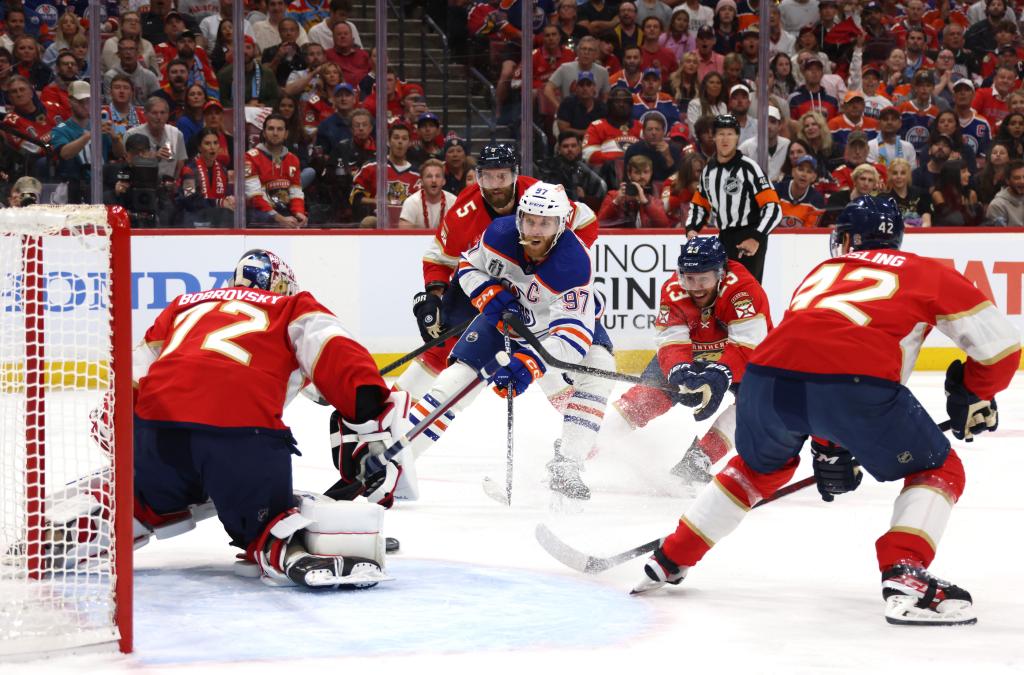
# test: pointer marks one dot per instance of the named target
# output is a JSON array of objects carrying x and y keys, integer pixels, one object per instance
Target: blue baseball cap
[
  {"x": 427, "y": 117},
  {"x": 651, "y": 71},
  {"x": 585, "y": 76},
  {"x": 806, "y": 159},
  {"x": 344, "y": 86}
]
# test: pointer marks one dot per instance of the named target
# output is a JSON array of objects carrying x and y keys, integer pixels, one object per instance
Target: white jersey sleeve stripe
[
  {"x": 673, "y": 335},
  {"x": 983, "y": 332},
  {"x": 310, "y": 334},
  {"x": 749, "y": 332}
]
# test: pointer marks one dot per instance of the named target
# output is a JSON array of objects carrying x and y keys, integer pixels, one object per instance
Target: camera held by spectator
[{"x": 25, "y": 192}]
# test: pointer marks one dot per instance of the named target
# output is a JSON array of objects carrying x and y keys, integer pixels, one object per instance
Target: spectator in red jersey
[
  {"x": 634, "y": 204},
  {"x": 990, "y": 102},
  {"x": 551, "y": 53},
  {"x": 913, "y": 19},
  {"x": 28, "y": 62},
  {"x": 354, "y": 62},
  {"x": 1006, "y": 56},
  {"x": 396, "y": 92},
  {"x": 402, "y": 180},
  {"x": 865, "y": 181},
  {"x": 855, "y": 154},
  {"x": 272, "y": 179}
]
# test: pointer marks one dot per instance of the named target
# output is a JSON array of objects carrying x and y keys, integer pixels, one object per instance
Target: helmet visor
[
  {"x": 699, "y": 281},
  {"x": 494, "y": 179},
  {"x": 532, "y": 225}
]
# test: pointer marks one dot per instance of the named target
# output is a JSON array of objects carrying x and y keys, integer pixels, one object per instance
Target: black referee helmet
[{"x": 725, "y": 122}]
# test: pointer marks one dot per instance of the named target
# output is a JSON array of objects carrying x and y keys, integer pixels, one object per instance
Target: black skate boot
[
  {"x": 565, "y": 475},
  {"x": 695, "y": 466},
  {"x": 659, "y": 571},
  {"x": 913, "y": 597},
  {"x": 316, "y": 571}
]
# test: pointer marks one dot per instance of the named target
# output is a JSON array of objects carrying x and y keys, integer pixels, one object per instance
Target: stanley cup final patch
[
  {"x": 495, "y": 268},
  {"x": 743, "y": 304}
]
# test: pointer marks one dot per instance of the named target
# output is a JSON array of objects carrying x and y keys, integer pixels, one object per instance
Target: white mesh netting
[{"x": 56, "y": 481}]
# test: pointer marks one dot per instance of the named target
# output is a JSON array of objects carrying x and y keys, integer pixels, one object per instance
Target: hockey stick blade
[
  {"x": 495, "y": 491},
  {"x": 581, "y": 562}
]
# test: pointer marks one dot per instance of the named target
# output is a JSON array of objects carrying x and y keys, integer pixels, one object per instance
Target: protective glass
[{"x": 492, "y": 179}]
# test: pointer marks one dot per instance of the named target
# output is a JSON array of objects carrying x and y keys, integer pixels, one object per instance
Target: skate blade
[
  {"x": 901, "y": 610},
  {"x": 646, "y": 586},
  {"x": 359, "y": 578}
]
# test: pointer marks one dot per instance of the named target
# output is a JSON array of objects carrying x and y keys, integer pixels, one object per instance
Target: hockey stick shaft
[
  {"x": 509, "y": 441},
  {"x": 376, "y": 463},
  {"x": 426, "y": 346},
  {"x": 513, "y": 320},
  {"x": 593, "y": 564}
]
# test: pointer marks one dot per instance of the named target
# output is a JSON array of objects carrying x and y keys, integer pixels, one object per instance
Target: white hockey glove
[
  {"x": 360, "y": 441},
  {"x": 102, "y": 430}
]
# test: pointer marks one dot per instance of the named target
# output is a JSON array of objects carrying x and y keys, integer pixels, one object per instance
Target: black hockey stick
[
  {"x": 589, "y": 564},
  {"x": 512, "y": 319},
  {"x": 451, "y": 332}
]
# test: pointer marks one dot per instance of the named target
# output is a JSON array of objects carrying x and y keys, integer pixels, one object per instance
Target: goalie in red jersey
[
  {"x": 834, "y": 368},
  {"x": 214, "y": 372},
  {"x": 713, "y": 315}
]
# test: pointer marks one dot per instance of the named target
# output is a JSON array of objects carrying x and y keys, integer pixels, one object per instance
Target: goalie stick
[{"x": 589, "y": 564}]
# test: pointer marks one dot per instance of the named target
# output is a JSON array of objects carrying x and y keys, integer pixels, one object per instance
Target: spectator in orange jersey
[{"x": 802, "y": 204}]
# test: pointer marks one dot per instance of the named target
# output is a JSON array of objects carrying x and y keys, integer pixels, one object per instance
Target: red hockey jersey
[
  {"x": 269, "y": 180},
  {"x": 728, "y": 331},
  {"x": 38, "y": 126},
  {"x": 234, "y": 357},
  {"x": 868, "y": 313},
  {"x": 603, "y": 142},
  {"x": 464, "y": 223},
  {"x": 400, "y": 185}
]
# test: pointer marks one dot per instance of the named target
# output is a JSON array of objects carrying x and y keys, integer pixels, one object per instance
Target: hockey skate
[
  {"x": 913, "y": 597},
  {"x": 317, "y": 571},
  {"x": 695, "y": 467},
  {"x": 659, "y": 571},
  {"x": 565, "y": 475}
]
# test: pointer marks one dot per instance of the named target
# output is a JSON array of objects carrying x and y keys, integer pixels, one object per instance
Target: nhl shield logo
[
  {"x": 904, "y": 457},
  {"x": 733, "y": 185}
]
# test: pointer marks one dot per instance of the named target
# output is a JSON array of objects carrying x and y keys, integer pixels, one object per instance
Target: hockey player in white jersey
[{"x": 530, "y": 264}]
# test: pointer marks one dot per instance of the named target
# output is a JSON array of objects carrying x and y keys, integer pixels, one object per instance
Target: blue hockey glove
[
  {"x": 495, "y": 300},
  {"x": 677, "y": 376},
  {"x": 968, "y": 414},
  {"x": 711, "y": 383},
  {"x": 835, "y": 470},
  {"x": 522, "y": 369}
]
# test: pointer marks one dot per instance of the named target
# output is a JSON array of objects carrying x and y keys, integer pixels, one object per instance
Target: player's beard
[{"x": 500, "y": 199}]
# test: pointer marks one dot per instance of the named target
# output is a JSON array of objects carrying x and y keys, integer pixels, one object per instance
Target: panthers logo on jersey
[{"x": 398, "y": 192}]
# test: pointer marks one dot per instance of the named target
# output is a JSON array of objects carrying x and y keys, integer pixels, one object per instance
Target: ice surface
[{"x": 794, "y": 590}]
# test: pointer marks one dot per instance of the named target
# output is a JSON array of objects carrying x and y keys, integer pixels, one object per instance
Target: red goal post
[{"x": 65, "y": 430}]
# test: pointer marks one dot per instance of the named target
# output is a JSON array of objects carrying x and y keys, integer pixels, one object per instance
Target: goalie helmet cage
[{"x": 65, "y": 384}]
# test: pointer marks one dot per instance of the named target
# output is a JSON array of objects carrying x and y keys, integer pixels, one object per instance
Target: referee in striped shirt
[{"x": 737, "y": 198}]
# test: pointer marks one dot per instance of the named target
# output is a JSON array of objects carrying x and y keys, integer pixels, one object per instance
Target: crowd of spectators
[{"x": 913, "y": 100}]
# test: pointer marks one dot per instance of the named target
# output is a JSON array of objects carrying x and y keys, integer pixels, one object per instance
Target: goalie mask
[
  {"x": 262, "y": 269},
  {"x": 543, "y": 212}
]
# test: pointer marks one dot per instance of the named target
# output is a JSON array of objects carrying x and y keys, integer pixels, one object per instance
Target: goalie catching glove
[
  {"x": 708, "y": 384},
  {"x": 355, "y": 442},
  {"x": 835, "y": 470},
  {"x": 521, "y": 370},
  {"x": 968, "y": 414},
  {"x": 427, "y": 309}
]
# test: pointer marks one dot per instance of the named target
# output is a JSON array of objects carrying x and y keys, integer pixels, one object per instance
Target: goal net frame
[{"x": 40, "y": 586}]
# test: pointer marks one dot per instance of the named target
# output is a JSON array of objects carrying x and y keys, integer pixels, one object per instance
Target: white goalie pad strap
[
  {"x": 286, "y": 527},
  {"x": 923, "y": 511},
  {"x": 715, "y": 513},
  {"x": 344, "y": 528}
]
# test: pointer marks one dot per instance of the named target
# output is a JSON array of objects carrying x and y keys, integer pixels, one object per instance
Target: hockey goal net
[{"x": 65, "y": 430}]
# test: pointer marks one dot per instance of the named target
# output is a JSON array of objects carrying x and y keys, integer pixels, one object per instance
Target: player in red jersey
[
  {"x": 214, "y": 372},
  {"x": 443, "y": 304},
  {"x": 713, "y": 314},
  {"x": 833, "y": 367},
  {"x": 273, "y": 178}
]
